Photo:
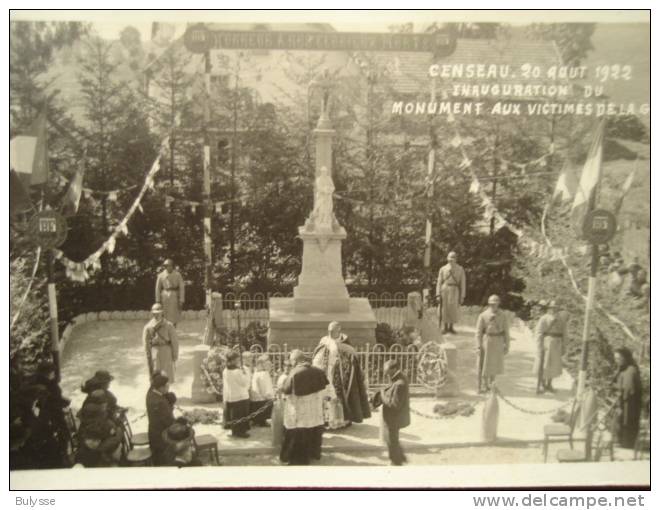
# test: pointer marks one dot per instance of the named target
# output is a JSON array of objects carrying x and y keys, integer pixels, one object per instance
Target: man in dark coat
[
  {"x": 303, "y": 413},
  {"x": 160, "y": 415},
  {"x": 395, "y": 400}
]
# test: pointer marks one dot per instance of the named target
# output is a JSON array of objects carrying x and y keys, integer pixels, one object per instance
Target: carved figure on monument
[{"x": 322, "y": 218}]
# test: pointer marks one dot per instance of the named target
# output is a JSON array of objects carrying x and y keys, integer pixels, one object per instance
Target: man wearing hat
[
  {"x": 450, "y": 290},
  {"x": 170, "y": 291},
  {"x": 550, "y": 335},
  {"x": 179, "y": 451},
  {"x": 160, "y": 343},
  {"x": 160, "y": 415},
  {"x": 492, "y": 342}
]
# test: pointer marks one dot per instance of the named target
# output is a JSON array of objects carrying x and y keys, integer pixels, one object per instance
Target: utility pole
[
  {"x": 430, "y": 174},
  {"x": 598, "y": 227},
  {"x": 495, "y": 171},
  {"x": 208, "y": 206}
]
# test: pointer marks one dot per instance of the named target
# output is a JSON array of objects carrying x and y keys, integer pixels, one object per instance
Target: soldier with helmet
[
  {"x": 170, "y": 291},
  {"x": 551, "y": 336},
  {"x": 161, "y": 343},
  {"x": 492, "y": 342},
  {"x": 450, "y": 291}
]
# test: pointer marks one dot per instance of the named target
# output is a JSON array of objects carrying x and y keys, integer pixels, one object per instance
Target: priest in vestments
[
  {"x": 303, "y": 412},
  {"x": 347, "y": 388}
]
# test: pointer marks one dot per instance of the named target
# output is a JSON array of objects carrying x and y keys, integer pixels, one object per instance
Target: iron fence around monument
[
  {"x": 241, "y": 309},
  {"x": 371, "y": 357}
]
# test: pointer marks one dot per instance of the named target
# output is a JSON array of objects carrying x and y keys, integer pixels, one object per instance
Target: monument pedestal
[
  {"x": 321, "y": 287},
  {"x": 303, "y": 330}
]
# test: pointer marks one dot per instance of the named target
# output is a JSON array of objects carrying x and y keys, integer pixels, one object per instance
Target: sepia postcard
[{"x": 316, "y": 249}]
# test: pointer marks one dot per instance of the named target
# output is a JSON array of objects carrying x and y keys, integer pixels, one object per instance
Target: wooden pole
[
  {"x": 52, "y": 311},
  {"x": 208, "y": 207},
  {"x": 429, "y": 224},
  {"x": 591, "y": 293}
]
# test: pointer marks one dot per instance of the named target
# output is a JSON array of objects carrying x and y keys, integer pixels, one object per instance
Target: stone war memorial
[
  {"x": 254, "y": 246},
  {"x": 321, "y": 295}
]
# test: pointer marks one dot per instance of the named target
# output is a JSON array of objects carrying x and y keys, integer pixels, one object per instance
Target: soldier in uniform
[
  {"x": 160, "y": 343},
  {"x": 450, "y": 290},
  {"x": 551, "y": 335},
  {"x": 170, "y": 292},
  {"x": 492, "y": 342}
]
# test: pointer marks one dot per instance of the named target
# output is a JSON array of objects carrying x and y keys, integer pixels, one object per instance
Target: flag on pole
[
  {"x": 71, "y": 199},
  {"x": 28, "y": 153},
  {"x": 566, "y": 185},
  {"x": 19, "y": 198},
  {"x": 625, "y": 189},
  {"x": 590, "y": 177}
]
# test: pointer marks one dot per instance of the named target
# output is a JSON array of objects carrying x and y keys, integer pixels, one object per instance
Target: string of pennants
[
  {"x": 88, "y": 193},
  {"x": 113, "y": 196},
  {"x": 546, "y": 249},
  {"x": 534, "y": 248},
  {"x": 79, "y": 271}
]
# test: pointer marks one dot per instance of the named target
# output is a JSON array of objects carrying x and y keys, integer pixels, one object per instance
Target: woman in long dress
[{"x": 628, "y": 384}]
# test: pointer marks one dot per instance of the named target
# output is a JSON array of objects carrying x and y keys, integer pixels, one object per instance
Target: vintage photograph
[{"x": 250, "y": 239}]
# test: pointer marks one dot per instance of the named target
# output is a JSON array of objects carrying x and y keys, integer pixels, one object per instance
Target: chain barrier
[
  {"x": 239, "y": 421},
  {"x": 138, "y": 418},
  {"x": 529, "y": 411},
  {"x": 434, "y": 416}
]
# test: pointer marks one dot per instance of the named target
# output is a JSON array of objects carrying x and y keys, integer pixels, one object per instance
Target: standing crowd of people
[{"x": 324, "y": 391}]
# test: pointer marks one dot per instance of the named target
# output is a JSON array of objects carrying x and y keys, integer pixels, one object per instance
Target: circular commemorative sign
[
  {"x": 197, "y": 39},
  {"x": 47, "y": 229},
  {"x": 599, "y": 226}
]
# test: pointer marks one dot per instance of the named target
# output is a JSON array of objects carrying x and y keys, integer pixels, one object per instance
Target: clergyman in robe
[
  {"x": 347, "y": 389},
  {"x": 305, "y": 389}
]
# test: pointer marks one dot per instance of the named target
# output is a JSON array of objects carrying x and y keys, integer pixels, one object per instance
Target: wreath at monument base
[{"x": 432, "y": 369}]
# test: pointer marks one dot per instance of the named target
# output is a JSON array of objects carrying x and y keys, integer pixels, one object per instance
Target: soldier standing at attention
[
  {"x": 450, "y": 290},
  {"x": 170, "y": 292},
  {"x": 160, "y": 343},
  {"x": 550, "y": 334},
  {"x": 492, "y": 342}
]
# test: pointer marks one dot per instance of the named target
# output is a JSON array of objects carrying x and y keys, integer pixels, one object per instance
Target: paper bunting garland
[{"x": 78, "y": 271}]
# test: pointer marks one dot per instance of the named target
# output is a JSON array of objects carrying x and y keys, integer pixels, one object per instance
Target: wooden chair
[
  {"x": 207, "y": 443},
  {"x": 139, "y": 439},
  {"x": 560, "y": 431},
  {"x": 643, "y": 442},
  {"x": 592, "y": 452},
  {"x": 71, "y": 438},
  {"x": 140, "y": 456}
]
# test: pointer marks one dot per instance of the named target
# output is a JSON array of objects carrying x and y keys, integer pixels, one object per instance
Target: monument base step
[{"x": 304, "y": 330}]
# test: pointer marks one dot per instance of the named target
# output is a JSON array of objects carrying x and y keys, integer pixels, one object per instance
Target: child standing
[
  {"x": 261, "y": 391},
  {"x": 235, "y": 392}
]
